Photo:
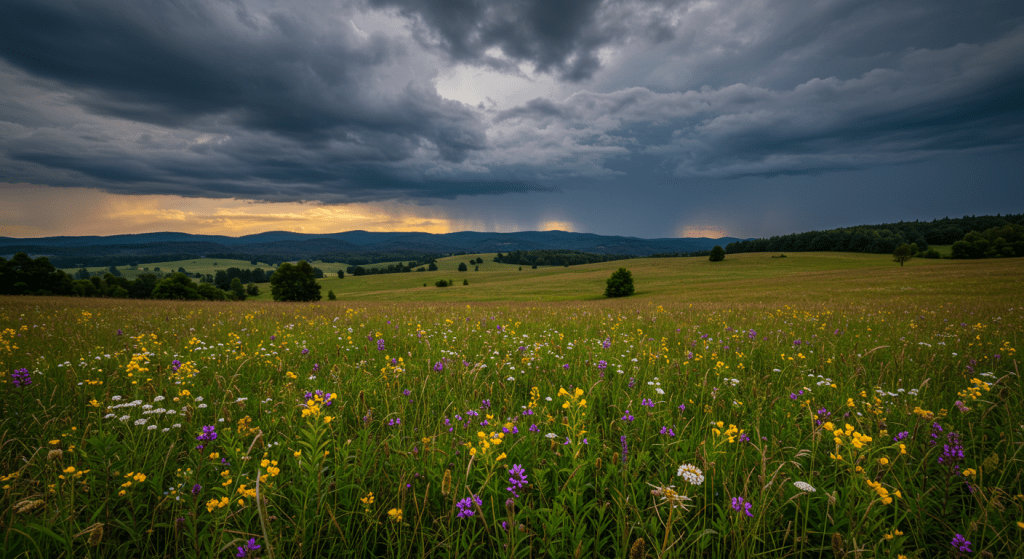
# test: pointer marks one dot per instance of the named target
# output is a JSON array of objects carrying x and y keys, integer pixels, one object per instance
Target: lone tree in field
[
  {"x": 462, "y": 267},
  {"x": 904, "y": 252},
  {"x": 620, "y": 284},
  {"x": 717, "y": 254},
  {"x": 294, "y": 283}
]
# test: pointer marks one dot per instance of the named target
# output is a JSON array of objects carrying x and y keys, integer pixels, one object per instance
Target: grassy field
[
  {"x": 739, "y": 279},
  {"x": 820, "y": 405}
]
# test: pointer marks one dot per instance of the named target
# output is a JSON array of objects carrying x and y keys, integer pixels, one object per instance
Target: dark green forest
[{"x": 885, "y": 238}]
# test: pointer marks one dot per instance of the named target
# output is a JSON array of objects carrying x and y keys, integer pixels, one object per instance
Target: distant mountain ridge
[{"x": 293, "y": 246}]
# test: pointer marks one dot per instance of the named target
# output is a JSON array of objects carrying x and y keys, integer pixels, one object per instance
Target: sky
[{"x": 640, "y": 118}]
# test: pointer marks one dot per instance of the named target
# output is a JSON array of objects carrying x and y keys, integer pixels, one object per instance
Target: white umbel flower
[
  {"x": 691, "y": 473},
  {"x": 804, "y": 486}
]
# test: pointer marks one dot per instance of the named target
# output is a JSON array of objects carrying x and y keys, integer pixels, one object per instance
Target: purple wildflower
[
  {"x": 209, "y": 434},
  {"x": 517, "y": 479},
  {"x": 752, "y": 334},
  {"x": 607, "y": 343},
  {"x": 602, "y": 364},
  {"x": 744, "y": 438},
  {"x": 936, "y": 429},
  {"x": 439, "y": 366},
  {"x": 682, "y": 407},
  {"x": 21, "y": 378},
  {"x": 952, "y": 452},
  {"x": 465, "y": 506},
  {"x": 647, "y": 402},
  {"x": 380, "y": 344},
  {"x": 625, "y": 450},
  {"x": 628, "y": 417},
  {"x": 632, "y": 382},
  {"x": 961, "y": 544},
  {"x": 250, "y": 547},
  {"x": 196, "y": 489},
  {"x": 739, "y": 503},
  {"x": 900, "y": 436}
]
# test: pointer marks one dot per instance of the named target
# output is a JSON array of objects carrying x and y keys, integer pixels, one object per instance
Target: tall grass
[{"x": 854, "y": 426}]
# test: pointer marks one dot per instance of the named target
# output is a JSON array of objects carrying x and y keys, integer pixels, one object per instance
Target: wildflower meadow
[{"x": 658, "y": 427}]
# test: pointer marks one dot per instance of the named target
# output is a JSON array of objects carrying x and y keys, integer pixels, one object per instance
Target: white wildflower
[
  {"x": 691, "y": 473},
  {"x": 804, "y": 486}
]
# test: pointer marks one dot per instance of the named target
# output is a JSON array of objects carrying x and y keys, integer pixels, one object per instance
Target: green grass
[
  {"x": 733, "y": 368},
  {"x": 739, "y": 279}
]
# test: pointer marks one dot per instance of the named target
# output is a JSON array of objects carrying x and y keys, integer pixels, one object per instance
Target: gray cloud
[
  {"x": 965, "y": 97},
  {"x": 338, "y": 102}
]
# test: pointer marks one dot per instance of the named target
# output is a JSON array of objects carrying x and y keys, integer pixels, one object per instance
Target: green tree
[
  {"x": 441, "y": 283},
  {"x": 341, "y": 274},
  {"x": 465, "y": 282},
  {"x": 903, "y": 253},
  {"x": 462, "y": 267},
  {"x": 294, "y": 283},
  {"x": 252, "y": 290},
  {"x": 432, "y": 267},
  {"x": 238, "y": 289},
  {"x": 211, "y": 293},
  {"x": 176, "y": 286},
  {"x": 620, "y": 284},
  {"x": 717, "y": 254},
  {"x": 142, "y": 286},
  {"x": 331, "y": 296}
]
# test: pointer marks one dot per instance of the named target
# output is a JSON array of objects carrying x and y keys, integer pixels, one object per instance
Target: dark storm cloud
[
  {"x": 965, "y": 97},
  {"x": 284, "y": 92},
  {"x": 338, "y": 101},
  {"x": 557, "y": 36}
]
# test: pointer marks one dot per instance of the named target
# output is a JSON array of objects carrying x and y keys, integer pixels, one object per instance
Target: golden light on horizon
[
  {"x": 555, "y": 225},
  {"x": 42, "y": 211},
  {"x": 709, "y": 231}
]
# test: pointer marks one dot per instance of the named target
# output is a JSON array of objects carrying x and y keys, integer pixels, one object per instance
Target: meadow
[{"x": 821, "y": 405}]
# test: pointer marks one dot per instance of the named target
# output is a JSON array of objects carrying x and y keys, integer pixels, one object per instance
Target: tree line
[
  {"x": 878, "y": 239},
  {"x": 23, "y": 275},
  {"x": 1002, "y": 241},
  {"x": 396, "y": 268},
  {"x": 555, "y": 257}
]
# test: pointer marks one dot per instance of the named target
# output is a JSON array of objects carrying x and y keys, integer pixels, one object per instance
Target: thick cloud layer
[{"x": 339, "y": 101}]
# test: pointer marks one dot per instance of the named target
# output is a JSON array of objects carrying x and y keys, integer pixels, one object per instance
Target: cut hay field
[{"x": 819, "y": 405}]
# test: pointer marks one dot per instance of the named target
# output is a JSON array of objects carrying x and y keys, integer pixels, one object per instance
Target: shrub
[
  {"x": 441, "y": 283},
  {"x": 620, "y": 284},
  {"x": 331, "y": 296},
  {"x": 717, "y": 254}
]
